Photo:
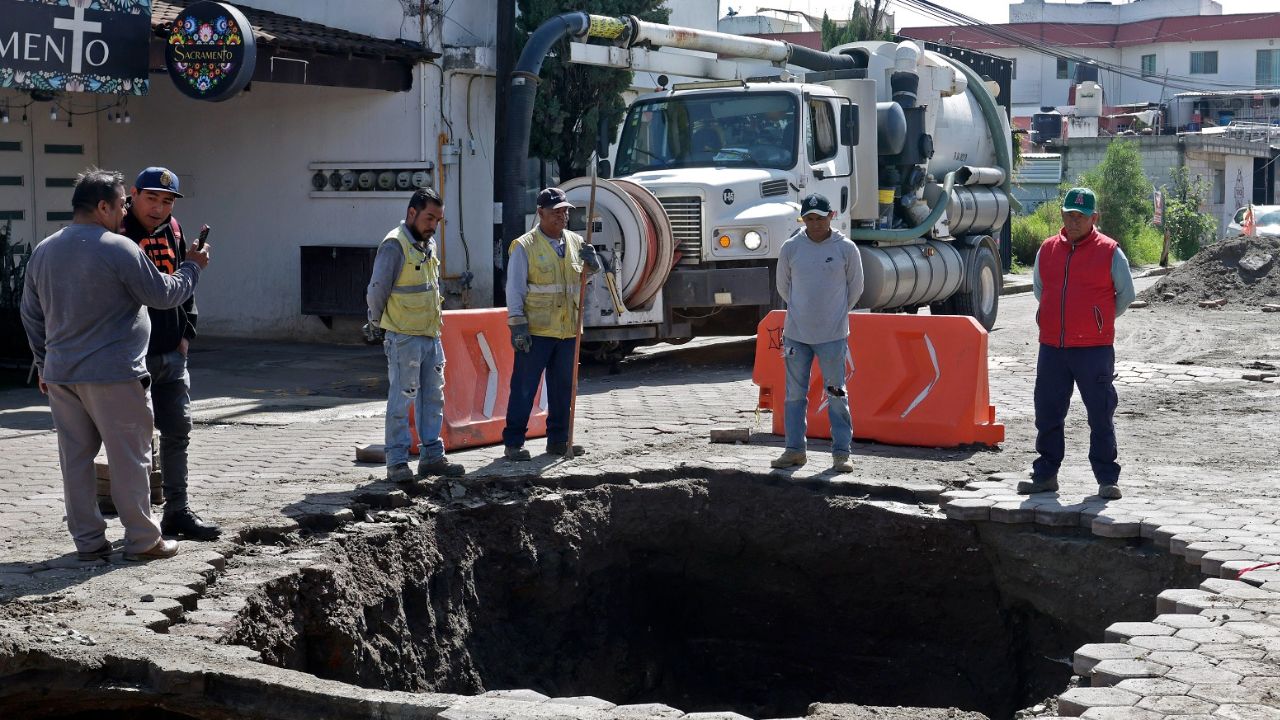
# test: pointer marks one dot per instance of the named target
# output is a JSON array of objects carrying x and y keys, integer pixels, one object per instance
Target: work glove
[
  {"x": 590, "y": 257},
  {"x": 520, "y": 338}
]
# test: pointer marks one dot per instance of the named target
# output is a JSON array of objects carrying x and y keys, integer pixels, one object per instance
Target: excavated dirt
[
  {"x": 726, "y": 594},
  {"x": 1240, "y": 270}
]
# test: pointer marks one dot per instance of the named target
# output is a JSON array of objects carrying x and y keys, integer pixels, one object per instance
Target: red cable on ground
[{"x": 1255, "y": 567}]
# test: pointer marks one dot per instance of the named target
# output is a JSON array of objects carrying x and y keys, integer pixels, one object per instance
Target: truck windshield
[{"x": 710, "y": 130}]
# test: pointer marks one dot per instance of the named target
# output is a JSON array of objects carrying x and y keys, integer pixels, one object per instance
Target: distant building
[{"x": 1170, "y": 46}]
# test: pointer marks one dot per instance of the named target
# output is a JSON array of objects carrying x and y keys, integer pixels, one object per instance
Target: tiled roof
[
  {"x": 1195, "y": 28},
  {"x": 291, "y": 33}
]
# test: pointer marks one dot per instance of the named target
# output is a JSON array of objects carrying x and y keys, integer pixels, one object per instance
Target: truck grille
[
  {"x": 685, "y": 213},
  {"x": 770, "y": 188}
]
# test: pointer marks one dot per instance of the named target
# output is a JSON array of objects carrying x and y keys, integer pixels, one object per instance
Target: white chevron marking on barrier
[
  {"x": 937, "y": 375},
  {"x": 491, "y": 384}
]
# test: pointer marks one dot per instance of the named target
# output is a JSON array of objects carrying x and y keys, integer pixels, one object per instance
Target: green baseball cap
[{"x": 1081, "y": 200}]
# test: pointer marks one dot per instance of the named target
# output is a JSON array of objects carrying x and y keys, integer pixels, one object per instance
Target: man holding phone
[{"x": 151, "y": 224}]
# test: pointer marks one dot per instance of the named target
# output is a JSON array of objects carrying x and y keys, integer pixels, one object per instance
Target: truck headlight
[{"x": 752, "y": 240}]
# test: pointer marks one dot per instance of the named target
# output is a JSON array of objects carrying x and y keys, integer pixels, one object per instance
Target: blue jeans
[
  {"x": 832, "y": 358},
  {"x": 1058, "y": 372},
  {"x": 171, "y": 398},
  {"x": 554, "y": 356},
  {"x": 415, "y": 369}
]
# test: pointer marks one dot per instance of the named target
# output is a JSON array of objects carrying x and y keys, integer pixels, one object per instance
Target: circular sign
[
  {"x": 727, "y": 196},
  {"x": 211, "y": 52}
]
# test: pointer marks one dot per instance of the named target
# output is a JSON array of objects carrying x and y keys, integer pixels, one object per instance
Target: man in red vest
[{"x": 1082, "y": 281}]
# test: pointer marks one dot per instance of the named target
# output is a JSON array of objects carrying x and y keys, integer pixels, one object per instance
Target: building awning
[{"x": 292, "y": 50}]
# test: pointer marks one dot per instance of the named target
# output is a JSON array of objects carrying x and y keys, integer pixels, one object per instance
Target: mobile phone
[{"x": 204, "y": 234}]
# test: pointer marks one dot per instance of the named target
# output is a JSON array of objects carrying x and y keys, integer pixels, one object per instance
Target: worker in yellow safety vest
[
  {"x": 544, "y": 280},
  {"x": 404, "y": 300}
]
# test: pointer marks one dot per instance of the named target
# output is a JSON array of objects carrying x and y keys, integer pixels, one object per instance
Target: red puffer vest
[{"x": 1078, "y": 298}]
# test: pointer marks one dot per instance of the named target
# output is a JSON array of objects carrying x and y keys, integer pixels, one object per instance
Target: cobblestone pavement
[{"x": 278, "y": 425}]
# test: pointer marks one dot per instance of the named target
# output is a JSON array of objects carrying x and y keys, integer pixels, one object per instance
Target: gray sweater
[
  {"x": 84, "y": 304},
  {"x": 820, "y": 282}
]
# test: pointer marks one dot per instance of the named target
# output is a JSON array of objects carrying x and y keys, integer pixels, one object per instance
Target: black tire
[{"x": 982, "y": 299}]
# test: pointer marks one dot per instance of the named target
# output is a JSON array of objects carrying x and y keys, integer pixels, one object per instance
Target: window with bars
[
  {"x": 1204, "y": 62},
  {"x": 1148, "y": 65},
  {"x": 1268, "y": 68}
]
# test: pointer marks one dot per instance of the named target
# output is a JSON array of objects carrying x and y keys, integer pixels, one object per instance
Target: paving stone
[
  {"x": 1212, "y": 562},
  {"x": 1227, "y": 693},
  {"x": 645, "y": 711},
  {"x": 1177, "y": 620},
  {"x": 969, "y": 510},
  {"x": 1165, "y": 533},
  {"x": 1090, "y": 655},
  {"x": 1235, "y": 589},
  {"x": 1121, "y": 713},
  {"x": 1172, "y": 658},
  {"x": 1148, "y": 687},
  {"x": 1196, "y": 550},
  {"x": 1203, "y": 675},
  {"x": 1163, "y": 643},
  {"x": 586, "y": 701},
  {"x": 1076, "y": 701},
  {"x": 1123, "y": 526},
  {"x": 1209, "y": 636},
  {"x": 715, "y": 716},
  {"x": 1054, "y": 515},
  {"x": 1252, "y": 629},
  {"x": 1178, "y": 543},
  {"x": 1112, "y": 672},
  {"x": 1247, "y": 712},
  {"x": 1121, "y": 631},
  {"x": 1167, "y": 601},
  {"x": 1252, "y": 668},
  {"x": 1011, "y": 513},
  {"x": 1177, "y": 705}
]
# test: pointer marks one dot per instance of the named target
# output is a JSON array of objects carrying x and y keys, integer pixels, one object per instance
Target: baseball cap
[
  {"x": 815, "y": 204},
  {"x": 1081, "y": 200},
  {"x": 553, "y": 199},
  {"x": 158, "y": 179}
]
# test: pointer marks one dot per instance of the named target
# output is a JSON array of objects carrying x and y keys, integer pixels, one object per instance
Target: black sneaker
[
  {"x": 102, "y": 553},
  {"x": 440, "y": 466},
  {"x": 185, "y": 523},
  {"x": 563, "y": 449}
]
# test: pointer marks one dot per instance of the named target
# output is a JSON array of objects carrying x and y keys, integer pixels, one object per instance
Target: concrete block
[
  {"x": 1203, "y": 675},
  {"x": 1157, "y": 642},
  {"x": 1121, "y": 713},
  {"x": 1196, "y": 550},
  {"x": 970, "y": 510},
  {"x": 1058, "y": 515},
  {"x": 1121, "y": 631},
  {"x": 1012, "y": 513},
  {"x": 645, "y": 711},
  {"x": 1076, "y": 701},
  {"x": 1209, "y": 636},
  {"x": 1180, "y": 658},
  {"x": 521, "y": 695},
  {"x": 1090, "y": 655},
  {"x": 1175, "y": 620},
  {"x": 585, "y": 701},
  {"x": 1110, "y": 526},
  {"x": 1112, "y": 672},
  {"x": 1225, "y": 693},
  {"x": 1177, "y": 705},
  {"x": 1148, "y": 687},
  {"x": 730, "y": 434},
  {"x": 1247, "y": 712}
]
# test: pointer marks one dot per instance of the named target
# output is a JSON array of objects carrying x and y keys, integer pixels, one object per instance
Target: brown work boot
[
  {"x": 162, "y": 549},
  {"x": 441, "y": 467},
  {"x": 790, "y": 458},
  {"x": 1109, "y": 491},
  {"x": 841, "y": 464},
  {"x": 517, "y": 454},
  {"x": 1038, "y": 485}
]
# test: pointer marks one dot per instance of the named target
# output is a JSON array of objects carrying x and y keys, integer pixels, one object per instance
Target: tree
[
  {"x": 571, "y": 98},
  {"x": 1187, "y": 226},
  {"x": 1124, "y": 194},
  {"x": 864, "y": 24}
]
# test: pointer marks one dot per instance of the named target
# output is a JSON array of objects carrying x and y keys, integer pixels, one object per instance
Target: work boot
[
  {"x": 185, "y": 523},
  {"x": 841, "y": 464},
  {"x": 400, "y": 473},
  {"x": 102, "y": 553},
  {"x": 515, "y": 453},
  {"x": 162, "y": 549},
  {"x": 1109, "y": 491},
  {"x": 562, "y": 449},
  {"x": 440, "y": 466},
  {"x": 790, "y": 458},
  {"x": 1038, "y": 485}
]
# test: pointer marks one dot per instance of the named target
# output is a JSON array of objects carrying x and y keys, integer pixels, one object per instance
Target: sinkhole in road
[{"x": 728, "y": 594}]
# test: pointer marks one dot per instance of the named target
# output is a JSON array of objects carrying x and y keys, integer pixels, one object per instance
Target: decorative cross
[{"x": 78, "y": 27}]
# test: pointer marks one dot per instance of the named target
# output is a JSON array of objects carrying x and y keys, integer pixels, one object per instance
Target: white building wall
[{"x": 1103, "y": 12}]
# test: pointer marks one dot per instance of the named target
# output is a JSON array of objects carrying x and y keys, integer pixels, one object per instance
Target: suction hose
[{"x": 521, "y": 93}]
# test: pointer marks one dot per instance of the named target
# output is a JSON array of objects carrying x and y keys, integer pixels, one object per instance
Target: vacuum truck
[{"x": 707, "y": 177}]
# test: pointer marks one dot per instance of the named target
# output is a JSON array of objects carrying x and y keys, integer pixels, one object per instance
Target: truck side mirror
[
  {"x": 603, "y": 169},
  {"x": 849, "y": 125}
]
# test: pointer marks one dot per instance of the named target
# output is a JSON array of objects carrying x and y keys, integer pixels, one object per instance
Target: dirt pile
[{"x": 1242, "y": 271}]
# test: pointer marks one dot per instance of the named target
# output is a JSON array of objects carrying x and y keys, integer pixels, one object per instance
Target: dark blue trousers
[
  {"x": 555, "y": 357},
  {"x": 1092, "y": 370}
]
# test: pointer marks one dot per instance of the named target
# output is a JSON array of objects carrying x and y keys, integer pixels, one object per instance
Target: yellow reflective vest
[
  {"x": 414, "y": 306},
  {"x": 555, "y": 283}
]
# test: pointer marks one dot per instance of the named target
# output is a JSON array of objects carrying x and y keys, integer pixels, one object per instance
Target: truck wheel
[{"x": 982, "y": 299}]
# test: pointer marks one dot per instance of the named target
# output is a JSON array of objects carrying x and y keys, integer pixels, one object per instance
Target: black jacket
[{"x": 167, "y": 249}]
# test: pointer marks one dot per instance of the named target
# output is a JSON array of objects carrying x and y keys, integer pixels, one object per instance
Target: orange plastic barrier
[
  {"x": 915, "y": 380},
  {"x": 477, "y": 381}
]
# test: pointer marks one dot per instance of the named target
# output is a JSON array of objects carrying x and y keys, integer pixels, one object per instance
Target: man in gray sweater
[
  {"x": 820, "y": 279},
  {"x": 83, "y": 307}
]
